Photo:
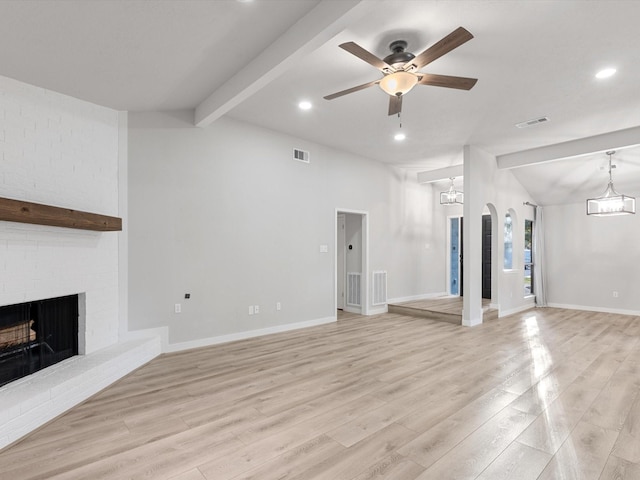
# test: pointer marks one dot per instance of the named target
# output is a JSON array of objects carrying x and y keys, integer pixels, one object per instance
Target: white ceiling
[
  {"x": 254, "y": 61},
  {"x": 575, "y": 179}
]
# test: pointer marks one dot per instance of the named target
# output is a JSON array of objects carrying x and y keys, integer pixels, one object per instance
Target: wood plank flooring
[
  {"x": 546, "y": 394},
  {"x": 444, "y": 309}
]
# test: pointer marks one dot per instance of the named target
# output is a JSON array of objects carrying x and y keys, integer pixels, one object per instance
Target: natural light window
[
  {"x": 508, "y": 242},
  {"x": 528, "y": 257}
]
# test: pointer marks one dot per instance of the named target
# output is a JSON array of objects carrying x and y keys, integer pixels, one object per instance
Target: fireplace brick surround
[
  {"x": 61, "y": 151},
  {"x": 30, "y": 402}
]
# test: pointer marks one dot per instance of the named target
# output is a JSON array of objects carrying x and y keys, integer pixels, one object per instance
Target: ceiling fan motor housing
[{"x": 399, "y": 56}]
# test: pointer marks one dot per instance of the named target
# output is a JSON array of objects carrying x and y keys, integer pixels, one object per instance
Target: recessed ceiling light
[
  {"x": 305, "y": 105},
  {"x": 399, "y": 136},
  {"x": 606, "y": 73}
]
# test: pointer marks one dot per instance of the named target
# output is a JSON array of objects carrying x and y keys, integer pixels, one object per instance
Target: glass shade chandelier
[
  {"x": 611, "y": 202},
  {"x": 451, "y": 196}
]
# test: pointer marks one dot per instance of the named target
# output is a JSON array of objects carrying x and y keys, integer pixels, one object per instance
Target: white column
[{"x": 478, "y": 168}]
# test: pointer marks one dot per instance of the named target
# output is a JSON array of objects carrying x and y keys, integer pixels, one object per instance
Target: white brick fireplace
[{"x": 58, "y": 150}]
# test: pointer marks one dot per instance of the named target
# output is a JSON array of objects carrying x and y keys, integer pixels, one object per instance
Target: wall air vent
[
  {"x": 379, "y": 288},
  {"x": 353, "y": 289},
  {"x": 301, "y": 155},
  {"x": 532, "y": 122}
]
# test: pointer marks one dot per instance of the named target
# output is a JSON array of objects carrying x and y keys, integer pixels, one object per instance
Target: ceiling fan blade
[
  {"x": 456, "y": 38},
  {"x": 461, "y": 83},
  {"x": 355, "y": 49},
  {"x": 395, "y": 104},
  {"x": 351, "y": 90}
]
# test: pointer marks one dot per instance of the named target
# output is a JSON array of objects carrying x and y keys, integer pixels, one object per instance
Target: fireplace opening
[{"x": 35, "y": 335}]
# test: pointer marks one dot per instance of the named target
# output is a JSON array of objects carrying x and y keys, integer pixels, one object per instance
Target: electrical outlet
[
  {"x": 256, "y": 309},
  {"x": 250, "y": 309},
  {"x": 615, "y": 294},
  {"x": 278, "y": 306},
  {"x": 177, "y": 308}
]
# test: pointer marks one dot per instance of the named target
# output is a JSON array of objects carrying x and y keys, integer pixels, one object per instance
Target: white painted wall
[
  {"x": 508, "y": 195},
  {"x": 225, "y": 214},
  {"x": 588, "y": 258},
  {"x": 61, "y": 151},
  {"x": 123, "y": 243},
  {"x": 485, "y": 184}
]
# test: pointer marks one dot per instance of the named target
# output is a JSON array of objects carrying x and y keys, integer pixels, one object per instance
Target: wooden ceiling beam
[{"x": 313, "y": 30}]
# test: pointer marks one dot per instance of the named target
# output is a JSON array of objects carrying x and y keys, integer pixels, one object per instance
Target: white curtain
[{"x": 539, "y": 259}]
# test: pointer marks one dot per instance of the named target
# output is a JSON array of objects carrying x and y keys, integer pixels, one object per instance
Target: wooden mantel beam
[{"x": 39, "y": 214}]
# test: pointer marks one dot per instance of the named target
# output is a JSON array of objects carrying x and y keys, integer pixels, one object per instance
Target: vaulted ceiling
[{"x": 256, "y": 60}]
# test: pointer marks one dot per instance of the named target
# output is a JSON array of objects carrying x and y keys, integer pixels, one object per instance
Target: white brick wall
[{"x": 61, "y": 151}]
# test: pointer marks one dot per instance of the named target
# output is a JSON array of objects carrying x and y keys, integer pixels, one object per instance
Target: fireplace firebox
[{"x": 35, "y": 335}]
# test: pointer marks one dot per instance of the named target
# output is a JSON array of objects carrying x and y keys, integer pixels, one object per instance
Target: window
[
  {"x": 508, "y": 242},
  {"x": 528, "y": 257}
]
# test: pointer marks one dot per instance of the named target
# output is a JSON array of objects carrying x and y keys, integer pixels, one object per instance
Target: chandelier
[
  {"x": 611, "y": 202},
  {"x": 451, "y": 196}
]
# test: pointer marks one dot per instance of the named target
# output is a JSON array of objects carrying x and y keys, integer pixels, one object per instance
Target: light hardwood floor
[
  {"x": 444, "y": 309},
  {"x": 547, "y": 394}
]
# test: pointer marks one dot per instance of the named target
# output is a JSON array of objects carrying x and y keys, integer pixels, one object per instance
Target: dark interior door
[{"x": 486, "y": 256}]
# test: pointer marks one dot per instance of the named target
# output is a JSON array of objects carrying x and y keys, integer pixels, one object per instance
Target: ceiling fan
[{"x": 400, "y": 68}]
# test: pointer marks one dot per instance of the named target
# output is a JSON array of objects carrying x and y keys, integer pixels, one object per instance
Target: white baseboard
[
  {"x": 587, "y": 308},
  {"x": 356, "y": 310},
  {"x": 160, "y": 332},
  {"x": 471, "y": 323},
  {"x": 424, "y": 296},
  {"x": 521, "y": 308},
  {"x": 232, "y": 337},
  {"x": 378, "y": 310}
]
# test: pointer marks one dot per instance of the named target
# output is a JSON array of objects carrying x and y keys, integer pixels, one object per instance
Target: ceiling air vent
[
  {"x": 534, "y": 121},
  {"x": 300, "y": 155}
]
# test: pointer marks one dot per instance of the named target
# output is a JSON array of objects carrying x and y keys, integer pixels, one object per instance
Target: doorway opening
[
  {"x": 341, "y": 266},
  {"x": 455, "y": 272},
  {"x": 351, "y": 262},
  {"x": 486, "y": 256}
]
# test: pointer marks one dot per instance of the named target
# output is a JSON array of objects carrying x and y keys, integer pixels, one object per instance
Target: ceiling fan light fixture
[
  {"x": 398, "y": 83},
  {"x": 451, "y": 196},
  {"x": 611, "y": 202}
]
